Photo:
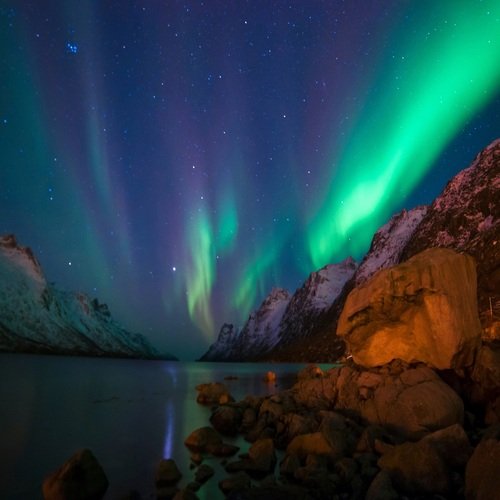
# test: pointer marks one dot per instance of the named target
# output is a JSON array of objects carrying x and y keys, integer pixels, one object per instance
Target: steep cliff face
[
  {"x": 37, "y": 317},
  {"x": 466, "y": 218},
  {"x": 261, "y": 331},
  {"x": 258, "y": 336},
  {"x": 222, "y": 347},
  {"x": 388, "y": 243},
  {"x": 315, "y": 296}
]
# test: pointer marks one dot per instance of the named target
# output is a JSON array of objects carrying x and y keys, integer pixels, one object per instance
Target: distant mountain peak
[
  {"x": 22, "y": 257},
  {"x": 38, "y": 317}
]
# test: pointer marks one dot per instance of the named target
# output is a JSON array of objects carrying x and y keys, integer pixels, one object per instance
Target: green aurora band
[
  {"x": 200, "y": 272},
  {"x": 250, "y": 282},
  {"x": 205, "y": 245},
  {"x": 441, "y": 79}
]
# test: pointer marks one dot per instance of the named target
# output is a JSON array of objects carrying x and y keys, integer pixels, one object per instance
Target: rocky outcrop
[
  {"x": 37, "y": 317},
  {"x": 407, "y": 401},
  {"x": 422, "y": 310},
  {"x": 466, "y": 218},
  {"x": 386, "y": 432},
  {"x": 167, "y": 477}
]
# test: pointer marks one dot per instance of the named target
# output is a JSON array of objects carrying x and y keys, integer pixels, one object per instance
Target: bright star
[{"x": 72, "y": 47}]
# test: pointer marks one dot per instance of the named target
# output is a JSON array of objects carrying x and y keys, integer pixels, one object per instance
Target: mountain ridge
[
  {"x": 37, "y": 317},
  {"x": 465, "y": 217}
]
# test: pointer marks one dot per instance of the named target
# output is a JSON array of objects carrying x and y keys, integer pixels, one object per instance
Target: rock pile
[{"x": 407, "y": 417}]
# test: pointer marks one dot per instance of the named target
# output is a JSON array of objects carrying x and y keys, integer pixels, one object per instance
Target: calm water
[{"x": 129, "y": 413}]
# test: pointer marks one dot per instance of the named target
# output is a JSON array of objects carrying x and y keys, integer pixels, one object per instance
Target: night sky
[{"x": 178, "y": 159}]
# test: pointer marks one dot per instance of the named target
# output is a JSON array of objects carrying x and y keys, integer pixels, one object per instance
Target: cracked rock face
[{"x": 424, "y": 310}]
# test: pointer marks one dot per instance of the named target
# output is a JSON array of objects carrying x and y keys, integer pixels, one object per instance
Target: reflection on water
[{"x": 129, "y": 413}]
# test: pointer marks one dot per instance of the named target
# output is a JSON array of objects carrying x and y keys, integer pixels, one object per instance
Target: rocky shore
[
  {"x": 413, "y": 412},
  {"x": 396, "y": 431}
]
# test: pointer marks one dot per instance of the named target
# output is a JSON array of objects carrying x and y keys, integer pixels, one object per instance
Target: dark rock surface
[
  {"x": 81, "y": 477},
  {"x": 167, "y": 474},
  {"x": 482, "y": 475},
  {"x": 213, "y": 393}
]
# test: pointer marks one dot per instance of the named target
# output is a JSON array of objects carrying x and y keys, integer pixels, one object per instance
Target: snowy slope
[
  {"x": 222, "y": 347},
  {"x": 389, "y": 242},
  {"x": 315, "y": 296},
  {"x": 258, "y": 336},
  {"x": 261, "y": 331},
  {"x": 37, "y": 317}
]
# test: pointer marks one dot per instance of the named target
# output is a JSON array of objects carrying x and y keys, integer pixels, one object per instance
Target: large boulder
[
  {"x": 482, "y": 475},
  {"x": 261, "y": 459},
  {"x": 213, "y": 393},
  {"x": 227, "y": 419},
  {"x": 416, "y": 468},
  {"x": 167, "y": 474},
  {"x": 310, "y": 444},
  {"x": 206, "y": 440},
  {"x": 486, "y": 372},
  {"x": 422, "y": 310},
  {"x": 80, "y": 478},
  {"x": 203, "y": 440}
]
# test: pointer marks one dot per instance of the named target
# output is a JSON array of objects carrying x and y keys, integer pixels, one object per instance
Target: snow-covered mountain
[
  {"x": 282, "y": 318},
  {"x": 258, "y": 336},
  {"x": 37, "y": 317}
]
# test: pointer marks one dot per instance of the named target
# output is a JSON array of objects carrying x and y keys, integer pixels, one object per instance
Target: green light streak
[
  {"x": 438, "y": 84},
  {"x": 227, "y": 225},
  {"x": 200, "y": 273},
  {"x": 253, "y": 277}
]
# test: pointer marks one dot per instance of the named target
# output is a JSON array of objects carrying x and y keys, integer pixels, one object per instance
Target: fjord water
[{"x": 130, "y": 413}]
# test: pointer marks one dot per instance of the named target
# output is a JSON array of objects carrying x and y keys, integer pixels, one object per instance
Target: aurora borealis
[{"x": 179, "y": 159}]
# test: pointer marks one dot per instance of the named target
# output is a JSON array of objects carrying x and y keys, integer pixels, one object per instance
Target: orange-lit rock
[{"x": 422, "y": 310}]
